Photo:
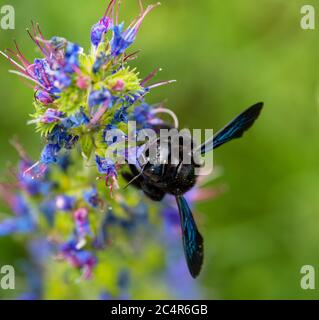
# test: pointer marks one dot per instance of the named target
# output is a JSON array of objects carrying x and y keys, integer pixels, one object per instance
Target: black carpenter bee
[{"x": 157, "y": 178}]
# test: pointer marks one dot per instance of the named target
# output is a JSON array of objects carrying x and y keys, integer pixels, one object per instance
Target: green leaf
[{"x": 87, "y": 145}]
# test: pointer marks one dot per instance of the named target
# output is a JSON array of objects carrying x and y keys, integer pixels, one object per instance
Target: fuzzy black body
[
  {"x": 175, "y": 176},
  {"x": 160, "y": 177}
]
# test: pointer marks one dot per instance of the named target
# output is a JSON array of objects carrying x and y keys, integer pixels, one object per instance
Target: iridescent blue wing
[
  {"x": 234, "y": 129},
  {"x": 192, "y": 239}
]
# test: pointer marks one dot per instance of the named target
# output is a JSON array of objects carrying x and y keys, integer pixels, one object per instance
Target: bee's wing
[
  {"x": 192, "y": 239},
  {"x": 234, "y": 129}
]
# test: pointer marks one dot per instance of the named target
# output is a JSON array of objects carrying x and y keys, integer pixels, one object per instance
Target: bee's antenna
[{"x": 168, "y": 111}]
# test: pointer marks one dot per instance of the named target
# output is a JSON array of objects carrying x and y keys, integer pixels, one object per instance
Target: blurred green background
[{"x": 226, "y": 55}]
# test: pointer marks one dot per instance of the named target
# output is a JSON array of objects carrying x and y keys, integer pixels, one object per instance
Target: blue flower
[
  {"x": 71, "y": 57},
  {"x": 64, "y": 203},
  {"x": 123, "y": 280},
  {"x": 16, "y": 225},
  {"x": 60, "y": 137},
  {"x": 121, "y": 115},
  {"x": 22, "y": 223},
  {"x": 105, "y": 166},
  {"x": 48, "y": 208},
  {"x": 122, "y": 39},
  {"x": 99, "y": 97},
  {"x": 100, "y": 29},
  {"x": 58, "y": 43},
  {"x": 92, "y": 198},
  {"x": 77, "y": 120},
  {"x": 64, "y": 161},
  {"x": 142, "y": 115},
  {"x": 49, "y": 154},
  {"x": 131, "y": 98}
]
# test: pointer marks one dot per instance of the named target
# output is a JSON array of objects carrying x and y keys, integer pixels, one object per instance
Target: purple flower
[
  {"x": 31, "y": 185},
  {"x": 42, "y": 73},
  {"x": 51, "y": 115},
  {"x": 82, "y": 224},
  {"x": 44, "y": 97},
  {"x": 103, "y": 26},
  {"x": 64, "y": 203},
  {"x": 105, "y": 166},
  {"x": 61, "y": 79},
  {"x": 100, "y": 29},
  {"x": 81, "y": 259}
]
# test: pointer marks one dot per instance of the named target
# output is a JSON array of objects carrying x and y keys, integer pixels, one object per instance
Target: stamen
[
  {"x": 40, "y": 173},
  {"x": 140, "y": 2},
  {"x": 98, "y": 115},
  {"x": 150, "y": 76},
  {"x": 36, "y": 41},
  {"x": 43, "y": 39},
  {"x": 20, "y": 54},
  {"x": 12, "y": 61},
  {"x": 22, "y": 153},
  {"x": 144, "y": 14},
  {"x": 117, "y": 12},
  {"x": 132, "y": 56},
  {"x": 110, "y": 8},
  {"x": 31, "y": 168},
  {"x": 27, "y": 77},
  {"x": 159, "y": 84},
  {"x": 42, "y": 119}
]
